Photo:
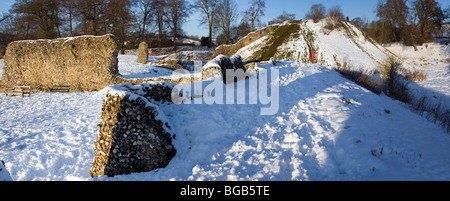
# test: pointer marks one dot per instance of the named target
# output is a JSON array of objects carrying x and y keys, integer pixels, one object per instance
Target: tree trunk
[
  {"x": 174, "y": 32},
  {"x": 70, "y": 21},
  {"x": 143, "y": 27},
  {"x": 93, "y": 23},
  {"x": 210, "y": 32},
  {"x": 160, "y": 28}
]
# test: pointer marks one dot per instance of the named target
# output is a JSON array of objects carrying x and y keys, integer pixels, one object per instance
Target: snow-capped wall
[
  {"x": 4, "y": 174},
  {"x": 219, "y": 66},
  {"x": 86, "y": 63},
  {"x": 134, "y": 135}
]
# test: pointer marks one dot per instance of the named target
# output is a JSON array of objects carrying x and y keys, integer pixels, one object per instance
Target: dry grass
[
  {"x": 396, "y": 88},
  {"x": 395, "y": 83},
  {"x": 385, "y": 67},
  {"x": 359, "y": 77},
  {"x": 416, "y": 76}
]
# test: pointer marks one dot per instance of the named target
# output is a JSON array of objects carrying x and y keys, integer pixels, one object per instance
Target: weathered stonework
[
  {"x": 143, "y": 53},
  {"x": 133, "y": 135},
  {"x": 220, "y": 65},
  {"x": 230, "y": 50},
  {"x": 86, "y": 63}
]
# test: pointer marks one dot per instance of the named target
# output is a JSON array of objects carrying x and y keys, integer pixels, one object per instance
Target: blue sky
[{"x": 351, "y": 8}]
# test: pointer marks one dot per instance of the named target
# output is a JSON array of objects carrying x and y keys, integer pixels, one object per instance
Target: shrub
[
  {"x": 317, "y": 12},
  {"x": 233, "y": 65},
  {"x": 396, "y": 84},
  {"x": 359, "y": 77},
  {"x": 385, "y": 67},
  {"x": 416, "y": 76}
]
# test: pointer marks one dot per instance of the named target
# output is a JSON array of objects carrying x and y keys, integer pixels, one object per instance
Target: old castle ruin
[{"x": 86, "y": 63}]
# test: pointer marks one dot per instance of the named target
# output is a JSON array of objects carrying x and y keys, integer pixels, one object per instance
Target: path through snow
[{"x": 316, "y": 135}]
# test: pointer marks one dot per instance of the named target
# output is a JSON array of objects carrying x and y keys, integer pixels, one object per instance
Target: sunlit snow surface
[{"x": 316, "y": 135}]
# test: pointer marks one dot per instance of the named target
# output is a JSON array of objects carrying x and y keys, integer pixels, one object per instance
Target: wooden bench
[
  {"x": 19, "y": 90},
  {"x": 60, "y": 88}
]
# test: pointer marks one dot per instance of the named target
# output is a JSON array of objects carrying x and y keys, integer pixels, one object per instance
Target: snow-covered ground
[
  {"x": 434, "y": 61},
  {"x": 49, "y": 136},
  {"x": 316, "y": 135},
  {"x": 130, "y": 69},
  {"x": 355, "y": 50}
]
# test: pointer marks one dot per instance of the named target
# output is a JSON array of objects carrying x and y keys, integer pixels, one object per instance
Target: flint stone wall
[
  {"x": 142, "y": 53},
  {"x": 86, "y": 63},
  {"x": 134, "y": 135}
]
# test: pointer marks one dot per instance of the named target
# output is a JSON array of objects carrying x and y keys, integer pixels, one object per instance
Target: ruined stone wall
[
  {"x": 133, "y": 135},
  {"x": 86, "y": 63},
  {"x": 219, "y": 66},
  {"x": 142, "y": 53},
  {"x": 230, "y": 50}
]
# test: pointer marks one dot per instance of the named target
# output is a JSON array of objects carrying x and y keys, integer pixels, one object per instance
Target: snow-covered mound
[
  {"x": 4, "y": 174},
  {"x": 295, "y": 40},
  {"x": 327, "y": 128}
]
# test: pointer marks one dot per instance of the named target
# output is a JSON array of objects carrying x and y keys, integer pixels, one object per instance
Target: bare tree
[
  {"x": 316, "y": 13},
  {"x": 4, "y": 17},
  {"x": 69, "y": 8},
  {"x": 283, "y": 17},
  {"x": 45, "y": 12},
  {"x": 159, "y": 12},
  {"x": 177, "y": 12},
  {"x": 243, "y": 29},
  {"x": 226, "y": 17},
  {"x": 255, "y": 12},
  {"x": 146, "y": 7},
  {"x": 335, "y": 14},
  {"x": 118, "y": 17},
  {"x": 208, "y": 8},
  {"x": 92, "y": 14},
  {"x": 430, "y": 16},
  {"x": 394, "y": 15}
]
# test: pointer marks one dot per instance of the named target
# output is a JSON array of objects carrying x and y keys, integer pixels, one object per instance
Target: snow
[
  {"x": 214, "y": 63},
  {"x": 316, "y": 134},
  {"x": 49, "y": 136},
  {"x": 4, "y": 174},
  {"x": 248, "y": 50},
  {"x": 337, "y": 46},
  {"x": 433, "y": 61},
  {"x": 130, "y": 69},
  {"x": 345, "y": 48},
  {"x": 67, "y": 39}
]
